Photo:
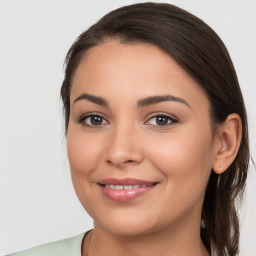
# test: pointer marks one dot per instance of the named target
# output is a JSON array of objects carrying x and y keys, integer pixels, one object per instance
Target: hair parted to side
[{"x": 202, "y": 54}]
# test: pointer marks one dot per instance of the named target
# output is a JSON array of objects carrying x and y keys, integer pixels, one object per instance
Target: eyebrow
[
  {"x": 141, "y": 103},
  {"x": 158, "y": 99},
  {"x": 95, "y": 99}
]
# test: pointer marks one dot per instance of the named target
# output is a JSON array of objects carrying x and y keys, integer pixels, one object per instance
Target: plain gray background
[{"x": 37, "y": 200}]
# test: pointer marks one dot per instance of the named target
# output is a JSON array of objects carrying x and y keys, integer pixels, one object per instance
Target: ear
[{"x": 229, "y": 139}]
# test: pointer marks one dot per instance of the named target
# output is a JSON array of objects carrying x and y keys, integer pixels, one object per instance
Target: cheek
[
  {"x": 185, "y": 158},
  {"x": 185, "y": 161},
  {"x": 84, "y": 155},
  {"x": 83, "y": 152}
]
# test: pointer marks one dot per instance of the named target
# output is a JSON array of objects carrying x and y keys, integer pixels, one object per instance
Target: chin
[
  {"x": 131, "y": 229},
  {"x": 127, "y": 223}
]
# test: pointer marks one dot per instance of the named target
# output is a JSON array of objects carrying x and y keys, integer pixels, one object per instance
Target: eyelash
[
  {"x": 171, "y": 120},
  {"x": 82, "y": 119}
]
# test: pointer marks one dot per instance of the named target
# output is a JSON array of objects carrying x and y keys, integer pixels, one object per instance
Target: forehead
[{"x": 132, "y": 70}]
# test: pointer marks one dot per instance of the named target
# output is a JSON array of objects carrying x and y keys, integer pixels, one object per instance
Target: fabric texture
[{"x": 67, "y": 247}]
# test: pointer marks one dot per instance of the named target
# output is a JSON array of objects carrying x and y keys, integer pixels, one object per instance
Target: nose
[{"x": 123, "y": 148}]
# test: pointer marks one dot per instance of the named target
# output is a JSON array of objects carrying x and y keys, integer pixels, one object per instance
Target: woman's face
[{"x": 139, "y": 139}]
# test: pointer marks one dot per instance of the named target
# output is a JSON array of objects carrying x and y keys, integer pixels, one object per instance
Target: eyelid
[
  {"x": 173, "y": 119},
  {"x": 83, "y": 117}
]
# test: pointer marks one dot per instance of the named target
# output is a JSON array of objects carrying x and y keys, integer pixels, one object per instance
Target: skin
[{"x": 130, "y": 143}]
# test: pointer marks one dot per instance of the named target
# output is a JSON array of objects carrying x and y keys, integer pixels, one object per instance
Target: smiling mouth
[
  {"x": 125, "y": 190},
  {"x": 128, "y": 187}
]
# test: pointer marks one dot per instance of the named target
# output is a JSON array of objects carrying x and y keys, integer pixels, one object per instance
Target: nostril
[
  {"x": 109, "y": 162},
  {"x": 124, "y": 163},
  {"x": 129, "y": 162}
]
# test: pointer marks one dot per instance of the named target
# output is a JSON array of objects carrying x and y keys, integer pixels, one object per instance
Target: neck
[{"x": 184, "y": 241}]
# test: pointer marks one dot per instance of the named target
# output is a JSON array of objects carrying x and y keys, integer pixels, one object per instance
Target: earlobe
[{"x": 229, "y": 136}]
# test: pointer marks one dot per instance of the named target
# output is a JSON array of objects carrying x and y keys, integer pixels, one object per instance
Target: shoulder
[{"x": 67, "y": 247}]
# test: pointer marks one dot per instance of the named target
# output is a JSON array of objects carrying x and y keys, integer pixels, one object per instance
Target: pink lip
[
  {"x": 125, "y": 195},
  {"x": 126, "y": 181}
]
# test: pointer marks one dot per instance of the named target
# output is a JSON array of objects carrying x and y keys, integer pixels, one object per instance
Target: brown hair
[{"x": 199, "y": 51}]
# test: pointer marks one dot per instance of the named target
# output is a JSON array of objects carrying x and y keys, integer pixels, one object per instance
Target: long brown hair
[{"x": 202, "y": 54}]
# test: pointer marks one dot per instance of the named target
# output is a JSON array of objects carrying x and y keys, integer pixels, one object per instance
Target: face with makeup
[{"x": 140, "y": 142}]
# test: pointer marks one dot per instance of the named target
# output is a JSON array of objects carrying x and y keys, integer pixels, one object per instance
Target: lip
[
  {"x": 125, "y": 195},
  {"x": 126, "y": 181}
]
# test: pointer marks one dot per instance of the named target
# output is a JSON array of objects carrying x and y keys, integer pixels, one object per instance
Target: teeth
[
  {"x": 119, "y": 187},
  {"x": 128, "y": 187}
]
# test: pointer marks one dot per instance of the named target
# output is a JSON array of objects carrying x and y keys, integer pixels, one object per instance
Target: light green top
[{"x": 67, "y": 247}]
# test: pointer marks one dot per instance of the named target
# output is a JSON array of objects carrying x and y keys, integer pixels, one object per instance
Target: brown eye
[
  {"x": 93, "y": 120},
  {"x": 161, "y": 120},
  {"x": 96, "y": 120}
]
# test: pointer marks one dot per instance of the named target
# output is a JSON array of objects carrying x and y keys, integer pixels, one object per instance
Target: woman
[{"x": 157, "y": 136}]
